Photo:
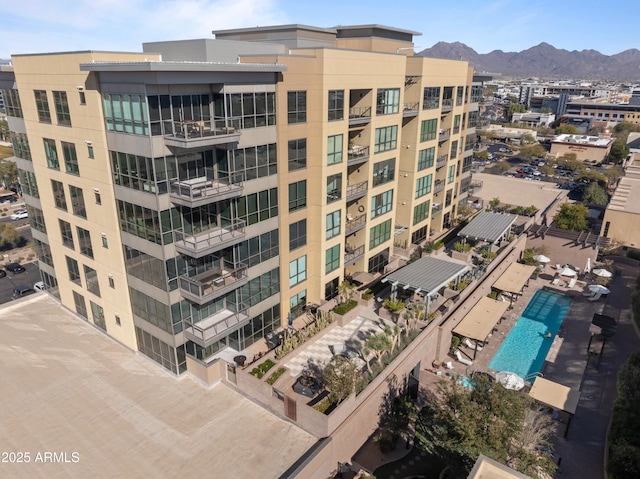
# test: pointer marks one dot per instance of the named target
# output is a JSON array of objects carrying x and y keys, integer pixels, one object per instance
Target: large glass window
[
  {"x": 421, "y": 212},
  {"x": 334, "y": 149},
  {"x": 251, "y": 110},
  {"x": 332, "y": 259},
  {"x": 137, "y": 172},
  {"x": 378, "y": 262},
  {"x": 51, "y": 152},
  {"x": 428, "y": 130},
  {"x": 28, "y": 183},
  {"x": 67, "y": 235},
  {"x": 77, "y": 201},
  {"x": 154, "y": 312},
  {"x": 379, "y": 234},
  {"x": 58, "y": 195},
  {"x": 74, "y": 271},
  {"x": 152, "y": 270},
  {"x": 297, "y": 154},
  {"x": 423, "y": 185},
  {"x": 62, "y": 108},
  {"x": 386, "y": 138},
  {"x": 98, "y": 315},
  {"x": 43, "y": 252},
  {"x": 431, "y": 100},
  {"x": 298, "y": 270},
  {"x": 12, "y": 104},
  {"x": 91, "y": 279},
  {"x": 126, "y": 113},
  {"x": 297, "y": 234},
  {"x": 297, "y": 303},
  {"x": 84, "y": 242},
  {"x": 81, "y": 306},
  {"x": 336, "y": 105},
  {"x": 459, "y": 95},
  {"x": 258, "y": 207},
  {"x": 42, "y": 106},
  {"x": 334, "y": 188},
  {"x": 36, "y": 219},
  {"x": 70, "y": 158},
  {"x": 451, "y": 176},
  {"x": 454, "y": 148},
  {"x": 298, "y": 195},
  {"x": 425, "y": 158},
  {"x": 333, "y": 224},
  {"x": 155, "y": 226},
  {"x": 388, "y": 101},
  {"x": 20, "y": 144},
  {"x": 381, "y": 204},
  {"x": 456, "y": 124},
  {"x": 384, "y": 171},
  {"x": 297, "y": 106}
]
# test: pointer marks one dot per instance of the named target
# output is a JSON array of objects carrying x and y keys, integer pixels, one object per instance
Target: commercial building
[
  {"x": 593, "y": 148},
  {"x": 188, "y": 199}
]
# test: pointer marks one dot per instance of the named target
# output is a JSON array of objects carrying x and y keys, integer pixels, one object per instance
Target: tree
[
  {"x": 613, "y": 173},
  {"x": 566, "y": 130},
  {"x": 482, "y": 155},
  {"x": 593, "y": 176},
  {"x": 527, "y": 138},
  {"x": 346, "y": 290},
  {"x": 493, "y": 204},
  {"x": 459, "y": 423},
  {"x": 378, "y": 344},
  {"x": 466, "y": 210},
  {"x": 8, "y": 173},
  {"x": 514, "y": 108},
  {"x": 572, "y": 217},
  {"x": 501, "y": 166},
  {"x": 619, "y": 151},
  {"x": 340, "y": 378},
  {"x": 547, "y": 170},
  {"x": 545, "y": 109},
  {"x": 8, "y": 234},
  {"x": 537, "y": 151}
]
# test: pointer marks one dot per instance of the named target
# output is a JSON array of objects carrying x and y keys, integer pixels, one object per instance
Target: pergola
[
  {"x": 489, "y": 227},
  {"x": 479, "y": 322},
  {"x": 557, "y": 396},
  {"x": 426, "y": 275},
  {"x": 514, "y": 279}
]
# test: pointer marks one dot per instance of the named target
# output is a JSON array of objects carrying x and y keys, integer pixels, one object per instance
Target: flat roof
[
  {"x": 514, "y": 278},
  {"x": 584, "y": 140},
  {"x": 427, "y": 274},
  {"x": 69, "y": 388},
  {"x": 274, "y": 28},
  {"x": 555, "y": 395},
  {"x": 625, "y": 198},
  {"x": 487, "y": 468},
  {"x": 181, "y": 67},
  {"x": 377, "y": 26},
  {"x": 488, "y": 226},
  {"x": 479, "y": 322}
]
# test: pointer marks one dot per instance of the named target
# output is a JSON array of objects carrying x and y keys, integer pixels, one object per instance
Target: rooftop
[
  {"x": 626, "y": 196},
  {"x": 428, "y": 274},
  {"x": 585, "y": 140},
  {"x": 69, "y": 388},
  {"x": 488, "y": 226}
]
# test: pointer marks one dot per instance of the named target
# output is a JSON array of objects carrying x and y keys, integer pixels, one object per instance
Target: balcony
[
  {"x": 441, "y": 161},
  {"x": 190, "y": 134},
  {"x": 215, "y": 327},
  {"x": 199, "y": 191},
  {"x": 356, "y": 191},
  {"x": 200, "y": 244},
  {"x": 410, "y": 109},
  {"x": 210, "y": 285},
  {"x": 351, "y": 254},
  {"x": 359, "y": 115},
  {"x": 357, "y": 155},
  {"x": 436, "y": 209},
  {"x": 444, "y": 135},
  {"x": 354, "y": 224},
  {"x": 447, "y": 105},
  {"x": 438, "y": 187}
]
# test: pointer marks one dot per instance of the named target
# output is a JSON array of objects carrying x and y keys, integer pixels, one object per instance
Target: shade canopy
[
  {"x": 479, "y": 322},
  {"x": 555, "y": 395},
  {"x": 514, "y": 278},
  {"x": 540, "y": 258},
  {"x": 603, "y": 273},
  {"x": 510, "y": 380},
  {"x": 427, "y": 274},
  {"x": 567, "y": 272},
  {"x": 598, "y": 288},
  {"x": 488, "y": 226}
]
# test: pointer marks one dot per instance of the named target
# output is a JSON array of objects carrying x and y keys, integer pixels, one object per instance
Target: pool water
[
  {"x": 527, "y": 345},
  {"x": 465, "y": 381}
]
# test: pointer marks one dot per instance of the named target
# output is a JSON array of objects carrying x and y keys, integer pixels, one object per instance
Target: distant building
[
  {"x": 533, "y": 119},
  {"x": 508, "y": 134},
  {"x": 585, "y": 147}
]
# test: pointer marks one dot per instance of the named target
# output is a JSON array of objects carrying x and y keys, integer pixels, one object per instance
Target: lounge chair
[
  {"x": 572, "y": 282},
  {"x": 448, "y": 365},
  {"x": 462, "y": 359},
  {"x": 471, "y": 345},
  {"x": 556, "y": 280},
  {"x": 595, "y": 297}
]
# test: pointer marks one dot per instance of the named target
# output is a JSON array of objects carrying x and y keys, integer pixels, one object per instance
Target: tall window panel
[
  {"x": 423, "y": 185},
  {"x": 58, "y": 195},
  {"x": 386, "y": 138},
  {"x": 297, "y": 156},
  {"x": 298, "y": 270},
  {"x": 454, "y": 149},
  {"x": 84, "y": 242},
  {"x": 297, "y": 234},
  {"x": 334, "y": 188},
  {"x": 67, "y": 235},
  {"x": 332, "y": 259},
  {"x": 451, "y": 175},
  {"x": 421, "y": 212},
  {"x": 431, "y": 98},
  {"x": 333, "y": 224},
  {"x": 126, "y": 113},
  {"x": 20, "y": 144},
  {"x": 62, "y": 108},
  {"x": 428, "y": 130},
  {"x": 91, "y": 279},
  {"x": 381, "y": 204},
  {"x": 42, "y": 106},
  {"x": 28, "y": 183},
  {"x": 81, "y": 305},
  {"x": 379, "y": 234},
  {"x": 334, "y": 149},
  {"x": 51, "y": 152},
  {"x": 43, "y": 252},
  {"x": 74, "y": 271},
  {"x": 36, "y": 219},
  {"x": 459, "y": 95},
  {"x": 298, "y": 195},
  {"x": 388, "y": 101},
  {"x": 336, "y": 105},
  {"x": 425, "y": 158},
  {"x": 97, "y": 313},
  {"x": 297, "y": 106},
  {"x": 77, "y": 201},
  {"x": 384, "y": 171},
  {"x": 70, "y": 158},
  {"x": 12, "y": 103}
]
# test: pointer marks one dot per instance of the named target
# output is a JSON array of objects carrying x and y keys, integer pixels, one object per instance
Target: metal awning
[
  {"x": 514, "y": 278},
  {"x": 488, "y": 226},
  {"x": 479, "y": 322},
  {"x": 427, "y": 274},
  {"x": 555, "y": 395}
]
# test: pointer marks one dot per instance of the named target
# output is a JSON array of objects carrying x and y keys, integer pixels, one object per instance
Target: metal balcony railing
[
  {"x": 442, "y": 161},
  {"x": 196, "y": 133},
  {"x": 356, "y": 191},
  {"x": 199, "y": 244},
  {"x": 352, "y": 254},
  {"x": 438, "y": 187},
  {"x": 203, "y": 190},
  {"x": 354, "y": 224},
  {"x": 216, "y": 326},
  {"x": 212, "y": 284},
  {"x": 357, "y": 154},
  {"x": 443, "y": 135},
  {"x": 410, "y": 109}
]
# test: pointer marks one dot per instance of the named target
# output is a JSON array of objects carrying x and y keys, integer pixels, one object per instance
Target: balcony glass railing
[
  {"x": 216, "y": 326},
  {"x": 444, "y": 134},
  {"x": 197, "y": 129},
  {"x": 195, "y": 189},
  {"x": 209, "y": 285},
  {"x": 205, "y": 242},
  {"x": 357, "y": 152}
]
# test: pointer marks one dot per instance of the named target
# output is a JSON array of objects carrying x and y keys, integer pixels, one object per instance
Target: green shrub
[
  {"x": 455, "y": 342},
  {"x": 274, "y": 377},
  {"x": 438, "y": 244},
  {"x": 344, "y": 308},
  {"x": 368, "y": 294},
  {"x": 391, "y": 305},
  {"x": 260, "y": 370},
  {"x": 323, "y": 405}
]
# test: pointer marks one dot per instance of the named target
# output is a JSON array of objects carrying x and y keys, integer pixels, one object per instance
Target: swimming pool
[{"x": 525, "y": 348}]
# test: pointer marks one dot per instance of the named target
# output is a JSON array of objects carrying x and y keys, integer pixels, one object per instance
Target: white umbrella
[
  {"x": 540, "y": 258},
  {"x": 587, "y": 268},
  {"x": 567, "y": 272},
  {"x": 602, "y": 273},
  {"x": 510, "y": 380},
  {"x": 599, "y": 289}
]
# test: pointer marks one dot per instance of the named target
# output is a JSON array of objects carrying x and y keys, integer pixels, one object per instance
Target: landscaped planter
[
  {"x": 343, "y": 319},
  {"x": 462, "y": 255}
]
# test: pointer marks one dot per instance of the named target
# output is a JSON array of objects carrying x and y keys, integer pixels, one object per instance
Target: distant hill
[{"x": 545, "y": 60}]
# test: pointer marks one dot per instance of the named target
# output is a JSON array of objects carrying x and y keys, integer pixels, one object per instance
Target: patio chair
[
  {"x": 572, "y": 282},
  {"x": 448, "y": 365},
  {"x": 595, "y": 297},
  {"x": 556, "y": 280},
  {"x": 470, "y": 345},
  {"x": 462, "y": 359}
]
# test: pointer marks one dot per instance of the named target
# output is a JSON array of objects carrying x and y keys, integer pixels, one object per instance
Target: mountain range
[{"x": 545, "y": 61}]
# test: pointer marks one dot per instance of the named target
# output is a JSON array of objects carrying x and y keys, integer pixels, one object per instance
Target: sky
[{"x": 38, "y": 26}]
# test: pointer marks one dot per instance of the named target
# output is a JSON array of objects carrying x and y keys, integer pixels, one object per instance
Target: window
[
  {"x": 336, "y": 105},
  {"x": 298, "y": 303},
  {"x": 20, "y": 144},
  {"x": 91, "y": 278},
  {"x": 428, "y": 130},
  {"x": 447, "y": 98},
  {"x": 332, "y": 259},
  {"x": 249, "y": 110},
  {"x": 28, "y": 183},
  {"x": 382, "y": 203},
  {"x": 297, "y": 106},
  {"x": 447, "y": 201},
  {"x": 384, "y": 171},
  {"x": 128, "y": 113},
  {"x": 476, "y": 93},
  {"x": 297, "y": 195},
  {"x": 456, "y": 124},
  {"x": 255, "y": 207},
  {"x": 378, "y": 262},
  {"x": 423, "y": 185},
  {"x": 81, "y": 306},
  {"x": 118, "y": 323},
  {"x": 74, "y": 271},
  {"x": 431, "y": 99},
  {"x": 421, "y": 212},
  {"x": 97, "y": 197},
  {"x": 105, "y": 243},
  {"x": 379, "y": 234},
  {"x": 297, "y": 154},
  {"x": 388, "y": 101},
  {"x": 90, "y": 152},
  {"x": 419, "y": 235},
  {"x": 459, "y": 95},
  {"x": 62, "y": 108},
  {"x": 454, "y": 148},
  {"x": 42, "y": 105},
  {"x": 52, "y": 153},
  {"x": 298, "y": 270},
  {"x": 334, "y": 149},
  {"x": 250, "y": 163},
  {"x": 451, "y": 175},
  {"x": 297, "y": 234},
  {"x": 70, "y": 158},
  {"x": 58, "y": 195},
  {"x": 334, "y": 188},
  {"x": 331, "y": 289},
  {"x": 137, "y": 172},
  {"x": 65, "y": 231},
  {"x": 36, "y": 219},
  {"x": 84, "y": 242},
  {"x": 333, "y": 224},
  {"x": 425, "y": 158},
  {"x": 98, "y": 315},
  {"x": 82, "y": 98},
  {"x": 386, "y": 139},
  {"x": 77, "y": 201},
  {"x": 12, "y": 104},
  {"x": 43, "y": 252}
]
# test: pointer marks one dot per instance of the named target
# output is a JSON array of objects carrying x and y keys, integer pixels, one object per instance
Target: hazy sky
[{"x": 35, "y": 26}]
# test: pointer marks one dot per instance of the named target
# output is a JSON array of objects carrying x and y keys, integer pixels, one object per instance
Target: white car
[
  {"x": 39, "y": 286},
  {"x": 20, "y": 215}
]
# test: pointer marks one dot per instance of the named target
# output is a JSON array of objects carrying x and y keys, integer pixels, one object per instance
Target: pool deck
[{"x": 583, "y": 450}]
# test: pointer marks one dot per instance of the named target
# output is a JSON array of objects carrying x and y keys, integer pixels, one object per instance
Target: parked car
[
  {"x": 3, "y": 273},
  {"x": 22, "y": 291},
  {"x": 39, "y": 286},
  {"x": 10, "y": 199},
  {"x": 20, "y": 215},
  {"x": 14, "y": 268}
]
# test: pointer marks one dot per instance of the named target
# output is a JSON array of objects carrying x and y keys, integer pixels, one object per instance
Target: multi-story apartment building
[{"x": 189, "y": 199}]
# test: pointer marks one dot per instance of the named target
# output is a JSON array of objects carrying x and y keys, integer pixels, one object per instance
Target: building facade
[{"x": 191, "y": 198}]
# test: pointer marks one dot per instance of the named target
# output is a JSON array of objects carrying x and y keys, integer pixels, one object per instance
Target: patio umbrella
[
  {"x": 567, "y": 272},
  {"x": 602, "y": 273},
  {"x": 598, "y": 288},
  {"x": 587, "y": 268},
  {"x": 510, "y": 380},
  {"x": 540, "y": 258}
]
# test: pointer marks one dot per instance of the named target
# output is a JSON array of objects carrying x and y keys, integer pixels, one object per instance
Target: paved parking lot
[{"x": 10, "y": 281}]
